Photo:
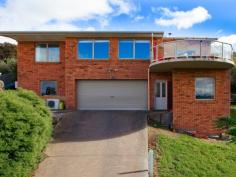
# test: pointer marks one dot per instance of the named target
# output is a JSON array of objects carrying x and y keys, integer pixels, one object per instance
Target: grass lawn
[
  {"x": 182, "y": 155},
  {"x": 187, "y": 156}
]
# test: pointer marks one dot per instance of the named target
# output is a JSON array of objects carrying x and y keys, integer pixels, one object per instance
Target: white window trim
[
  {"x": 214, "y": 90},
  {"x": 93, "y": 49},
  {"x": 47, "y": 58}
]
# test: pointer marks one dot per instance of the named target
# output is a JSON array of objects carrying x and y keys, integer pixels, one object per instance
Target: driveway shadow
[{"x": 98, "y": 125}]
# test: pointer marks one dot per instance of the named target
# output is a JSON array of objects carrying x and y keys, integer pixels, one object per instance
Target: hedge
[{"x": 25, "y": 129}]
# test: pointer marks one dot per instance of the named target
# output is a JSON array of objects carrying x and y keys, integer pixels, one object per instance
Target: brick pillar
[{"x": 70, "y": 59}]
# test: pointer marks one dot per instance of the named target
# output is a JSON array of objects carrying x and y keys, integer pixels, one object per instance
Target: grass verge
[{"x": 191, "y": 157}]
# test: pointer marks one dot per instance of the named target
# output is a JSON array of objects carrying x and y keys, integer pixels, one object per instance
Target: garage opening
[{"x": 112, "y": 95}]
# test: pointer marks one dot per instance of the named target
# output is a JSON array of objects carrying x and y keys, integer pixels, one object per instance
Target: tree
[
  {"x": 7, "y": 50},
  {"x": 8, "y": 66}
]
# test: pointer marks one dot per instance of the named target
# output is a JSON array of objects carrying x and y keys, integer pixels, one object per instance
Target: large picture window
[
  {"x": 93, "y": 49},
  {"x": 48, "y": 87},
  {"x": 134, "y": 49},
  {"x": 205, "y": 88},
  {"x": 47, "y": 52}
]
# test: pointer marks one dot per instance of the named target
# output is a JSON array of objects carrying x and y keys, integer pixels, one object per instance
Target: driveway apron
[{"x": 98, "y": 144}]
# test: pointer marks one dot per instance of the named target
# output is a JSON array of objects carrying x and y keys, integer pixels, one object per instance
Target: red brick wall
[
  {"x": 30, "y": 72},
  {"x": 188, "y": 113},
  {"x": 70, "y": 69},
  {"x": 91, "y": 69},
  {"x": 199, "y": 115}
]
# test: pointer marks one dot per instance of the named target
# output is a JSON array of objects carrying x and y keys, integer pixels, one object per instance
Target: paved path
[{"x": 98, "y": 144}]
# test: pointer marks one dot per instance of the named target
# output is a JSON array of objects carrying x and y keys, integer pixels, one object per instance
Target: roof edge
[{"x": 62, "y": 35}]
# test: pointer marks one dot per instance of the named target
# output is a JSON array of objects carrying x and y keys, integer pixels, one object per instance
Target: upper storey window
[
  {"x": 47, "y": 52},
  {"x": 93, "y": 49},
  {"x": 134, "y": 49}
]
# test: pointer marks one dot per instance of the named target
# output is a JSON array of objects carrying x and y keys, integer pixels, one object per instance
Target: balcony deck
[{"x": 192, "y": 54}]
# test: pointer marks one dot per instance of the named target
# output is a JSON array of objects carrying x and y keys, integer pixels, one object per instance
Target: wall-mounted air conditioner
[{"x": 53, "y": 103}]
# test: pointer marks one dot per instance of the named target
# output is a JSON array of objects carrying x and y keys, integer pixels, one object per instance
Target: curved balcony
[{"x": 192, "y": 54}]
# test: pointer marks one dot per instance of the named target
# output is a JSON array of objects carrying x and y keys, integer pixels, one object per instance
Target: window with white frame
[
  {"x": 134, "y": 49},
  {"x": 204, "y": 88},
  {"x": 48, "y": 88},
  {"x": 93, "y": 49},
  {"x": 47, "y": 52}
]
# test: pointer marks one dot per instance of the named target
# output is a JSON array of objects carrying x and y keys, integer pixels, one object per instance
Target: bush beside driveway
[{"x": 25, "y": 129}]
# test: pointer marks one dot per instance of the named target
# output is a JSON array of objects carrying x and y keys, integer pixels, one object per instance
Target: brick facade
[
  {"x": 70, "y": 69},
  {"x": 188, "y": 113},
  {"x": 199, "y": 115},
  {"x": 30, "y": 72},
  {"x": 86, "y": 69}
]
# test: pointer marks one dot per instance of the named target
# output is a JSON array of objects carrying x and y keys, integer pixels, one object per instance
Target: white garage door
[{"x": 112, "y": 95}]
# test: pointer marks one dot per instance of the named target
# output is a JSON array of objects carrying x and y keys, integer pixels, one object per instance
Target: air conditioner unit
[{"x": 53, "y": 103}]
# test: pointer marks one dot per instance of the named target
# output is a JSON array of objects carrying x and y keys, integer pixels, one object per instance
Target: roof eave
[{"x": 61, "y": 36}]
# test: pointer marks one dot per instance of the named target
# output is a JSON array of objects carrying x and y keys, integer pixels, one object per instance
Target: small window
[
  {"x": 205, "y": 88},
  {"x": 48, "y": 88},
  {"x": 47, "y": 53},
  {"x": 163, "y": 89},
  {"x": 134, "y": 49},
  {"x": 93, "y": 49},
  {"x": 158, "y": 89}
]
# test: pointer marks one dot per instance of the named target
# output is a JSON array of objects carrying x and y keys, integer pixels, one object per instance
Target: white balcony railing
[{"x": 193, "y": 49}]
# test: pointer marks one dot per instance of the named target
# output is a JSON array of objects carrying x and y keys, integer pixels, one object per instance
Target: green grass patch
[{"x": 191, "y": 157}]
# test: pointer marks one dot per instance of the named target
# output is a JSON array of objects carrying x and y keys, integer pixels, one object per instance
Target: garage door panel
[{"x": 112, "y": 95}]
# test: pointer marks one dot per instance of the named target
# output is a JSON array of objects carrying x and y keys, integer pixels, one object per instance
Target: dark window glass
[
  {"x": 101, "y": 49},
  {"x": 163, "y": 89},
  {"x": 85, "y": 49},
  {"x": 158, "y": 89},
  {"x": 142, "y": 49},
  {"x": 48, "y": 88},
  {"x": 126, "y": 50},
  {"x": 205, "y": 88}
]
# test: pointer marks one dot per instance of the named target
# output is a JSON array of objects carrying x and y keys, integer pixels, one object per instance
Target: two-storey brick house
[{"x": 130, "y": 71}]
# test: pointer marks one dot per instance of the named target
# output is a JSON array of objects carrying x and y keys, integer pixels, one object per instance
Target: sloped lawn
[{"x": 189, "y": 157}]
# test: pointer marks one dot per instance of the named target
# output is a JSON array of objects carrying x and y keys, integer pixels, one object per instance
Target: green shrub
[
  {"x": 229, "y": 123},
  {"x": 8, "y": 66},
  {"x": 25, "y": 129}
]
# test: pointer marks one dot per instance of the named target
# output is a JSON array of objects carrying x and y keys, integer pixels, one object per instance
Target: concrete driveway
[{"x": 98, "y": 144}]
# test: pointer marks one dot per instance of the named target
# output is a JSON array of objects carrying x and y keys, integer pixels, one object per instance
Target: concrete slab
[{"x": 98, "y": 144}]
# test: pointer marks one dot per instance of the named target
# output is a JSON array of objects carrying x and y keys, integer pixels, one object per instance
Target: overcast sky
[{"x": 191, "y": 18}]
